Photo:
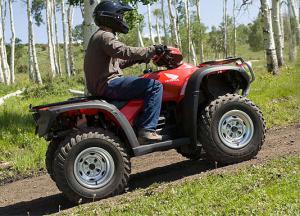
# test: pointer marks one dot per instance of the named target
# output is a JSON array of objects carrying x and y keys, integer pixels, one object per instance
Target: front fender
[{"x": 191, "y": 98}]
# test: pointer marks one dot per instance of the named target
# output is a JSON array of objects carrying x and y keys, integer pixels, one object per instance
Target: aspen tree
[
  {"x": 13, "y": 42},
  {"x": 150, "y": 23},
  {"x": 277, "y": 31},
  {"x": 272, "y": 63},
  {"x": 49, "y": 35},
  {"x": 65, "y": 35},
  {"x": 5, "y": 66},
  {"x": 70, "y": 13},
  {"x": 34, "y": 71},
  {"x": 89, "y": 27},
  {"x": 201, "y": 33}
]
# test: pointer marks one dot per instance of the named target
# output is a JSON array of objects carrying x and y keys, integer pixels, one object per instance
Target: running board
[{"x": 161, "y": 146}]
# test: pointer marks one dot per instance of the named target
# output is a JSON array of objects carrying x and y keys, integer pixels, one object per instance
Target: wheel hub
[
  {"x": 94, "y": 167},
  {"x": 236, "y": 129}
]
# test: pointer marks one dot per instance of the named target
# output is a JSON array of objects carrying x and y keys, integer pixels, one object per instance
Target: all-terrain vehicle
[{"x": 204, "y": 110}]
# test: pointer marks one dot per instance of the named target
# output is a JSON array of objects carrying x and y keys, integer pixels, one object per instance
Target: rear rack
[{"x": 72, "y": 100}]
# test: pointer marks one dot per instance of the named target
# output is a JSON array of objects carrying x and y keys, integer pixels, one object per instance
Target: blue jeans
[{"x": 128, "y": 88}]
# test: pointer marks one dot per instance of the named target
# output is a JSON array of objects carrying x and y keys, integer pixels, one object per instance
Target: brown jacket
[{"x": 106, "y": 56}]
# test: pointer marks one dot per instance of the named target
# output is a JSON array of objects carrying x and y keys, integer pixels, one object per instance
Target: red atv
[{"x": 204, "y": 110}]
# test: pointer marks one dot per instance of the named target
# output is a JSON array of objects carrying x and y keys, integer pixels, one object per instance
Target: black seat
[{"x": 117, "y": 103}]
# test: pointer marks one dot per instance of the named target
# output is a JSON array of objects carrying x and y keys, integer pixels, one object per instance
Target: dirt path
[{"x": 36, "y": 196}]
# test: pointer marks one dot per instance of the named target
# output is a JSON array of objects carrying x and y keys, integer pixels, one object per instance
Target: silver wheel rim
[
  {"x": 94, "y": 167},
  {"x": 236, "y": 129}
]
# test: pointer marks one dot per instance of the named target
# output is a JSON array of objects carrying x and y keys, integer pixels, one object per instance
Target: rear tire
[
  {"x": 52, "y": 147},
  {"x": 91, "y": 166},
  {"x": 231, "y": 129}
]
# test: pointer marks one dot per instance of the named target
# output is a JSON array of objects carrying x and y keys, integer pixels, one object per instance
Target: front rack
[{"x": 230, "y": 60}]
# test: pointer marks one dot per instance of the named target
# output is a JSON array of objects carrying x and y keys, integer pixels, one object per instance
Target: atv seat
[{"x": 117, "y": 103}]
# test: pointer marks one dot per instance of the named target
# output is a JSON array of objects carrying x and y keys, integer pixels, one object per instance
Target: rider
[{"x": 106, "y": 56}]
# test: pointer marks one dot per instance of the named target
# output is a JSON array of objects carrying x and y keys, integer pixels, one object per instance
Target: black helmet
[{"x": 110, "y": 14}]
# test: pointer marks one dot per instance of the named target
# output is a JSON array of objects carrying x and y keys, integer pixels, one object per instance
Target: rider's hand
[{"x": 160, "y": 49}]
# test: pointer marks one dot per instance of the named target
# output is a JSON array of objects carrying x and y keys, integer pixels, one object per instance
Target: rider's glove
[{"x": 160, "y": 49}]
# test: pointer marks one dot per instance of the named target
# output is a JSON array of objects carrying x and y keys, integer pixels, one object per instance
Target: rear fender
[
  {"x": 47, "y": 117},
  {"x": 192, "y": 91}
]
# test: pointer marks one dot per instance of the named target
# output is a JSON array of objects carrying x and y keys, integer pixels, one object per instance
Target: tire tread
[
  {"x": 205, "y": 121},
  {"x": 71, "y": 141}
]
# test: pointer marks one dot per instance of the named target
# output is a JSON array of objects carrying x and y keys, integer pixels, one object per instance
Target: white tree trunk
[
  {"x": 277, "y": 31},
  {"x": 282, "y": 27},
  {"x": 140, "y": 41},
  {"x": 173, "y": 24},
  {"x": 272, "y": 63},
  {"x": 187, "y": 24},
  {"x": 150, "y": 23},
  {"x": 52, "y": 16},
  {"x": 294, "y": 13},
  {"x": 191, "y": 49},
  {"x": 166, "y": 38},
  {"x": 33, "y": 64},
  {"x": 70, "y": 24},
  {"x": 14, "y": 94},
  {"x": 292, "y": 42},
  {"x": 37, "y": 74},
  {"x": 57, "y": 52},
  {"x": 3, "y": 11},
  {"x": 194, "y": 56},
  {"x": 234, "y": 28},
  {"x": 49, "y": 34},
  {"x": 201, "y": 34},
  {"x": 158, "y": 31},
  {"x": 65, "y": 34},
  {"x": 225, "y": 28},
  {"x": 140, "y": 38},
  {"x": 13, "y": 41},
  {"x": 89, "y": 26},
  {"x": 5, "y": 66},
  {"x": 177, "y": 24},
  {"x": 1, "y": 71},
  {"x": 30, "y": 57}
]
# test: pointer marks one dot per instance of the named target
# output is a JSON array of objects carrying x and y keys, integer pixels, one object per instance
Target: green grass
[
  {"x": 18, "y": 142},
  {"x": 270, "y": 189},
  {"x": 277, "y": 96}
]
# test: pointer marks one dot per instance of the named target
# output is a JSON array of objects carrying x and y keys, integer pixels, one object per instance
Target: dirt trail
[{"x": 36, "y": 196}]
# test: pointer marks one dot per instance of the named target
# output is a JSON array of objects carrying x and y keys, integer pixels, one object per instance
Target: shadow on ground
[{"x": 54, "y": 203}]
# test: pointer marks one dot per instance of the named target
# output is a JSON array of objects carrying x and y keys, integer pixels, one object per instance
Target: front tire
[
  {"x": 231, "y": 129},
  {"x": 91, "y": 166}
]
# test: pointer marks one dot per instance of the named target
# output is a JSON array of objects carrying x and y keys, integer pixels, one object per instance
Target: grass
[
  {"x": 18, "y": 142},
  {"x": 278, "y": 97},
  {"x": 270, "y": 189}
]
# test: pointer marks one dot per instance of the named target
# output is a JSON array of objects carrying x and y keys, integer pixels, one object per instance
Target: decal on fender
[{"x": 172, "y": 77}]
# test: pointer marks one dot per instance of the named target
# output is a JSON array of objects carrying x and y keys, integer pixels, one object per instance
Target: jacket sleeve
[
  {"x": 116, "y": 49},
  {"x": 127, "y": 63}
]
